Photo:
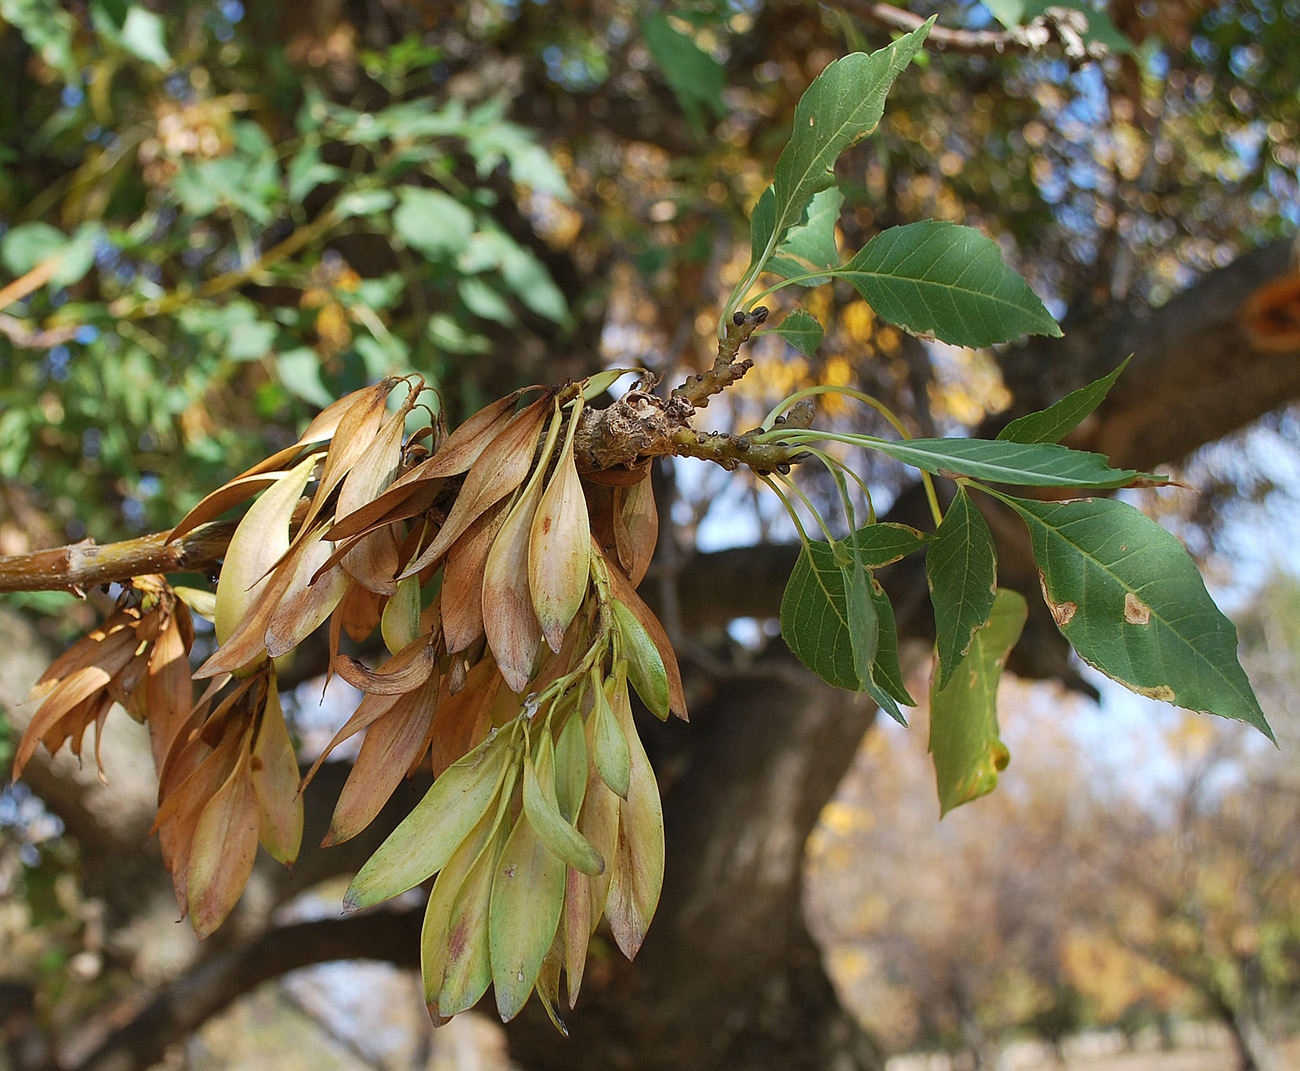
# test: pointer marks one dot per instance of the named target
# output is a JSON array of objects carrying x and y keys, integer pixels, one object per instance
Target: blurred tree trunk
[{"x": 1243, "y": 1016}]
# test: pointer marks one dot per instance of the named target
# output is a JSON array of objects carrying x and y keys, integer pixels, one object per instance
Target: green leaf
[
  {"x": 30, "y": 244},
  {"x": 1008, "y": 12},
  {"x": 1129, "y": 599},
  {"x": 532, "y": 284},
  {"x": 48, "y": 29},
  {"x": 810, "y": 246},
  {"x": 864, "y": 628},
  {"x": 524, "y": 275},
  {"x": 695, "y": 77},
  {"x": 78, "y": 256},
  {"x": 961, "y": 571},
  {"x": 815, "y": 616},
  {"x": 364, "y": 203},
  {"x": 842, "y": 106},
  {"x": 484, "y": 301},
  {"x": 450, "y": 335},
  {"x": 142, "y": 36},
  {"x": 299, "y": 371},
  {"x": 430, "y": 221},
  {"x": 306, "y": 171},
  {"x": 802, "y": 331},
  {"x": 1054, "y": 423},
  {"x": 968, "y": 752},
  {"x": 942, "y": 279},
  {"x": 888, "y": 674},
  {"x": 1027, "y": 464},
  {"x": 490, "y": 140}
]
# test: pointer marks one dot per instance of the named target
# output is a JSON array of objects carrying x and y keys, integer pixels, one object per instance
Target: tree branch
[
  {"x": 391, "y": 937},
  {"x": 1060, "y": 26},
  {"x": 86, "y": 564}
]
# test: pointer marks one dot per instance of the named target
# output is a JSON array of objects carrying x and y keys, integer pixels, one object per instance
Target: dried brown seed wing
[
  {"x": 636, "y": 528},
  {"x": 191, "y": 796},
  {"x": 169, "y": 693},
  {"x": 84, "y": 652},
  {"x": 358, "y": 613},
  {"x": 376, "y": 467},
  {"x": 638, "y": 863},
  {"x": 214, "y": 504},
  {"x": 224, "y": 848},
  {"x": 509, "y": 622},
  {"x": 324, "y": 425},
  {"x": 466, "y": 444},
  {"x": 111, "y": 657},
  {"x": 369, "y": 710},
  {"x": 404, "y": 672},
  {"x": 559, "y": 551},
  {"x": 463, "y": 718},
  {"x": 374, "y": 561},
  {"x": 499, "y": 470},
  {"x": 306, "y": 604},
  {"x": 245, "y": 648},
  {"x": 462, "y": 580},
  {"x": 259, "y": 542},
  {"x": 356, "y": 430},
  {"x": 274, "y": 777},
  {"x": 404, "y": 499},
  {"x": 391, "y": 745}
]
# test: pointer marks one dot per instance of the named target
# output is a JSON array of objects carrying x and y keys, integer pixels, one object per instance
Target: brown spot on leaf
[
  {"x": 1136, "y": 612},
  {"x": 1160, "y": 691},
  {"x": 1062, "y": 612}
]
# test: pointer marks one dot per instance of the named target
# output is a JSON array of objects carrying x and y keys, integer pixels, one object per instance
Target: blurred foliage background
[{"x": 215, "y": 218}]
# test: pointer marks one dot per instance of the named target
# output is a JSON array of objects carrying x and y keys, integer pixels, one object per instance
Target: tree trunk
[
  {"x": 729, "y": 976},
  {"x": 1250, "y": 1036}
]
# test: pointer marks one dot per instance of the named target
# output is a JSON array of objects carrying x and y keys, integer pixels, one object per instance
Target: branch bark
[
  {"x": 1062, "y": 27},
  {"x": 84, "y": 565},
  {"x": 187, "y": 1003}
]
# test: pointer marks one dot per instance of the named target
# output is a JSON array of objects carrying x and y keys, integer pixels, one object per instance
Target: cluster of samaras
[{"x": 503, "y": 586}]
